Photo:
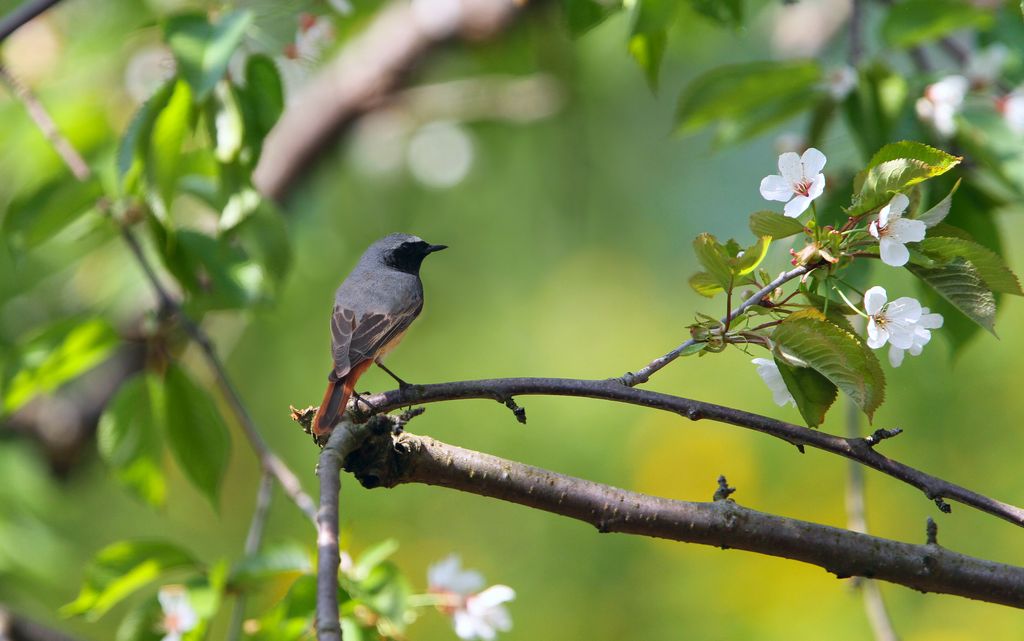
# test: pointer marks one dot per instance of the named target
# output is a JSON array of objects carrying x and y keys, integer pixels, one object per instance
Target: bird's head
[{"x": 403, "y": 252}]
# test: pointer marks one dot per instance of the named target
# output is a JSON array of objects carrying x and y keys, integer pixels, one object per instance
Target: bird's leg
[
  {"x": 401, "y": 384},
  {"x": 359, "y": 399}
]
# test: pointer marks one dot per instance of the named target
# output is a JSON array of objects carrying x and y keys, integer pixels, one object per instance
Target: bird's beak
[{"x": 435, "y": 248}]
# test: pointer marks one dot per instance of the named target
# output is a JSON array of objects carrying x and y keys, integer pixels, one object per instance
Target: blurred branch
[
  {"x": 644, "y": 374},
  {"x": 856, "y": 520},
  {"x": 380, "y": 459},
  {"x": 14, "y": 627},
  {"x": 269, "y": 460},
  {"x": 343, "y": 440},
  {"x": 856, "y": 51},
  {"x": 366, "y": 71},
  {"x": 860, "y": 450},
  {"x": 252, "y": 545},
  {"x": 22, "y": 15}
]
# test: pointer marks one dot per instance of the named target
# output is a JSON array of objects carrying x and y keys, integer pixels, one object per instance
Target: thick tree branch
[
  {"x": 860, "y": 450},
  {"x": 384, "y": 460},
  {"x": 14, "y": 627},
  {"x": 644, "y": 374},
  {"x": 22, "y": 15},
  {"x": 369, "y": 68}
]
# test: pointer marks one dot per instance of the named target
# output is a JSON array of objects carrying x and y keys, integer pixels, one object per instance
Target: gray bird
[{"x": 373, "y": 308}]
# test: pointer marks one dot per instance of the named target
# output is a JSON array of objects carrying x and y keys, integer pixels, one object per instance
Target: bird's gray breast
[{"x": 379, "y": 290}]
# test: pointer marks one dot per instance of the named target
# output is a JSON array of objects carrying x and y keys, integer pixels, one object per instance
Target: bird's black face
[{"x": 409, "y": 255}]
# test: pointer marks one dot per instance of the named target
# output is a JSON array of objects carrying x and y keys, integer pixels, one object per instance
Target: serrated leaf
[
  {"x": 715, "y": 259},
  {"x": 203, "y": 50},
  {"x": 959, "y": 283},
  {"x": 770, "y": 223},
  {"x": 196, "y": 432},
  {"x": 938, "y": 212},
  {"x": 705, "y": 284},
  {"x": 216, "y": 273},
  {"x": 121, "y": 569},
  {"x": 128, "y": 439},
  {"x": 912, "y": 22},
  {"x": 649, "y": 35},
  {"x": 894, "y": 168},
  {"x": 583, "y": 15},
  {"x": 813, "y": 393},
  {"x": 56, "y": 355},
  {"x": 731, "y": 92},
  {"x": 836, "y": 354},
  {"x": 133, "y": 148},
  {"x": 725, "y": 12},
  {"x": 752, "y": 257},
  {"x": 988, "y": 264}
]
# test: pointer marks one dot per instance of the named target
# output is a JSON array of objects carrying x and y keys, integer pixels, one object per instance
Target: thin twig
[
  {"x": 252, "y": 546},
  {"x": 856, "y": 51},
  {"x": 631, "y": 379},
  {"x": 856, "y": 520},
  {"x": 269, "y": 460},
  {"x": 859, "y": 449},
  {"x": 22, "y": 15},
  {"x": 407, "y": 458},
  {"x": 46, "y": 125}
]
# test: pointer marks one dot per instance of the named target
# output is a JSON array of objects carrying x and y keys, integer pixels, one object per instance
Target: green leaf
[
  {"x": 264, "y": 236},
  {"x": 196, "y": 432},
  {"x": 715, "y": 259},
  {"x": 732, "y": 92},
  {"x": 938, "y": 212},
  {"x": 894, "y": 168},
  {"x": 813, "y": 393},
  {"x": 705, "y": 284},
  {"x": 583, "y": 15},
  {"x": 960, "y": 284},
  {"x": 726, "y": 12},
  {"x": 373, "y": 557},
  {"x": 202, "y": 49},
  {"x": 912, "y": 22},
  {"x": 133, "y": 148},
  {"x": 163, "y": 149},
  {"x": 836, "y": 354},
  {"x": 989, "y": 266},
  {"x": 228, "y": 123},
  {"x": 649, "y": 35},
  {"x": 275, "y": 567},
  {"x": 770, "y": 223},
  {"x": 262, "y": 101},
  {"x": 752, "y": 257},
  {"x": 59, "y": 353},
  {"x": 36, "y": 218},
  {"x": 128, "y": 439},
  {"x": 121, "y": 569},
  {"x": 216, "y": 273}
]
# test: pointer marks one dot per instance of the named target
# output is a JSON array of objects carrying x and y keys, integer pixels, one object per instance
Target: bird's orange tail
[{"x": 336, "y": 400}]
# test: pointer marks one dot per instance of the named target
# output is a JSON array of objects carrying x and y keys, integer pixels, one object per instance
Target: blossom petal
[
  {"x": 790, "y": 167},
  {"x": 893, "y": 252},
  {"x": 898, "y": 205},
  {"x": 448, "y": 575},
  {"x": 769, "y": 372},
  {"x": 874, "y": 300},
  {"x": 877, "y": 335},
  {"x": 929, "y": 321},
  {"x": 906, "y": 230},
  {"x": 813, "y": 162},
  {"x": 776, "y": 188},
  {"x": 873, "y": 228},
  {"x": 904, "y": 309},
  {"x": 796, "y": 206},
  {"x": 895, "y": 356},
  {"x": 493, "y": 596},
  {"x": 817, "y": 186}
]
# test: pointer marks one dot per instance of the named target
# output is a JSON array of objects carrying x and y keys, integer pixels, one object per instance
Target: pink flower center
[
  {"x": 802, "y": 187},
  {"x": 172, "y": 622}
]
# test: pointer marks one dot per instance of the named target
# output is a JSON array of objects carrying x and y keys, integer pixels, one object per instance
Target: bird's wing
[{"x": 355, "y": 341}]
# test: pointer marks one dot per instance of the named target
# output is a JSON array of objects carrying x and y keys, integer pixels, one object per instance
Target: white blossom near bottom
[
  {"x": 475, "y": 614},
  {"x": 922, "y": 334},
  {"x": 769, "y": 372},
  {"x": 178, "y": 615}
]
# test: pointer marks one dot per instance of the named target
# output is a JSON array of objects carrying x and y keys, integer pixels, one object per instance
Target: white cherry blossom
[
  {"x": 178, "y": 615},
  {"x": 891, "y": 322},
  {"x": 922, "y": 334},
  {"x": 893, "y": 231},
  {"x": 768, "y": 370},
  {"x": 941, "y": 102},
  {"x": 798, "y": 182},
  {"x": 475, "y": 614},
  {"x": 840, "y": 82}
]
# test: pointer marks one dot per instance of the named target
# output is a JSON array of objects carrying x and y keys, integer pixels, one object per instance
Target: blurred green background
[{"x": 570, "y": 250}]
